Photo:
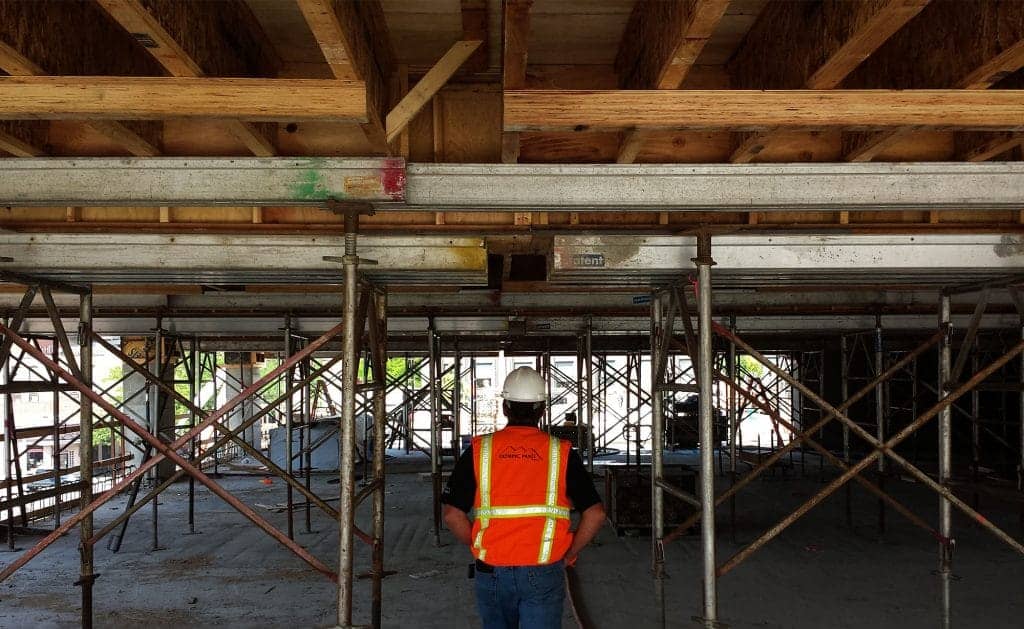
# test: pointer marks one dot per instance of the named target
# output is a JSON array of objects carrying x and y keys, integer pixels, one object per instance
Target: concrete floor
[{"x": 817, "y": 574}]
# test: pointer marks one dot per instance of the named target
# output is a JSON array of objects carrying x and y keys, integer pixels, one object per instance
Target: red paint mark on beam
[{"x": 392, "y": 178}]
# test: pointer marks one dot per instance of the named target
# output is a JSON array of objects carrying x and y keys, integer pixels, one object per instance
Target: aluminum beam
[
  {"x": 242, "y": 259},
  {"x": 755, "y": 261},
  {"x": 390, "y": 184},
  {"x": 160, "y": 181},
  {"x": 728, "y": 187}
]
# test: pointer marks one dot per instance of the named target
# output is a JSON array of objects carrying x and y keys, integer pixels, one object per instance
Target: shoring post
[
  {"x": 380, "y": 415},
  {"x": 196, "y": 383},
  {"x": 305, "y": 369},
  {"x": 7, "y": 408},
  {"x": 86, "y": 575},
  {"x": 658, "y": 347},
  {"x": 289, "y": 411},
  {"x": 844, "y": 353},
  {"x": 733, "y": 407},
  {"x": 155, "y": 410},
  {"x": 347, "y": 444},
  {"x": 707, "y": 446},
  {"x": 579, "y": 392},
  {"x": 589, "y": 359},
  {"x": 55, "y": 381},
  {"x": 945, "y": 464},
  {"x": 472, "y": 395},
  {"x": 975, "y": 430},
  {"x": 435, "y": 431},
  {"x": 457, "y": 400},
  {"x": 880, "y": 418},
  {"x": 1020, "y": 399}
]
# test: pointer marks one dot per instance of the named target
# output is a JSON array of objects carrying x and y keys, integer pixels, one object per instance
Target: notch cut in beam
[
  {"x": 431, "y": 83},
  {"x": 155, "y": 98},
  {"x": 581, "y": 110}
]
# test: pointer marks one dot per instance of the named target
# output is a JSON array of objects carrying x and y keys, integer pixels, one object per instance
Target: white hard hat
[{"x": 524, "y": 385}]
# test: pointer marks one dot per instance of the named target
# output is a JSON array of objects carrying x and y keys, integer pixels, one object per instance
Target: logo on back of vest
[{"x": 519, "y": 454}]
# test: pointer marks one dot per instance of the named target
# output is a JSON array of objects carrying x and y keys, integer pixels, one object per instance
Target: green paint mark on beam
[{"x": 312, "y": 185}]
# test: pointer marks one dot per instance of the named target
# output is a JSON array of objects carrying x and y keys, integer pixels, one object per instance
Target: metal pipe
[
  {"x": 9, "y": 436},
  {"x": 196, "y": 388},
  {"x": 435, "y": 433},
  {"x": 844, "y": 352},
  {"x": 945, "y": 463},
  {"x": 658, "y": 345},
  {"x": 379, "y": 419},
  {"x": 472, "y": 395},
  {"x": 347, "y": 443},
  {"x": 55, "y": 380},
  {"x": 733, "y": 409},
  {"x": 164, "y": 451},
  {"x": 707, "y": 446},
  {"x": 880, "y": 417},
  {"x": 155, "y": 412},
  {"x": 307, "y": 424},
  {"x": 591, "y": 446},
  {"x": 1020, "y": 399},
  {"x": 289, "y": 410},
  {"x": 457, "y": 402},
  {"x": 86, "y": 574}
]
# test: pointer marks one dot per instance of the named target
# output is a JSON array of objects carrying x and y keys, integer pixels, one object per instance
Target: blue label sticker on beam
[
  {"x": 593, "y": 260},
  {"x": 641, "y": 299}
]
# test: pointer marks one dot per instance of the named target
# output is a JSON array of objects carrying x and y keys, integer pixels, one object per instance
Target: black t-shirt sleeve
[
  {"x": 578, "y": 484},
  {"x": 460, "y": 492}
]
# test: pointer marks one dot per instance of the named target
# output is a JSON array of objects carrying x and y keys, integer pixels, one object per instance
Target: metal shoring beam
[
  {"x": 6, "y": 408},
  {"x": 168, "y": 451},
  {"x": 230, "y": 434},
  {"x": 347, "y": 442},
  {"x": 379, "y": 339},
  {"x": 776, "y": 456},
  {"x": 86, "y": 574},
  {"x": 457, "y": 400},
  {"x": 733, "y": 410},
  {"x": 844, "y": 357},
  {"x": 307, "y": 425},
  {"x": 435, "y": 431},
  {"x": 289, "y": 410},
  {"x": 659, "y": 347},
  {"x": 195, "y": 393},
  {"x": 945, "y": 464},
  {"x": 880, "y": 418},
  {"x": 589, "y": 357},
  {"x": 156, "y": 409},
  {"x": 55, "y": 380},
  {"x": 880, "y": 449}
]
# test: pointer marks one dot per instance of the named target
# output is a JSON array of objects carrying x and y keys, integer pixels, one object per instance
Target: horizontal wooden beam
[
  {"x": 154, "y": 98},
  {"x": 18, "y": 147},
  {"x": 583, "y": 110}
]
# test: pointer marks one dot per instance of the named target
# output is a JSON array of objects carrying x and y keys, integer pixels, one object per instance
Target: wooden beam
[
  {"x": 152, "y": 98},
  {"x": 964, "y": 45},
  {"x": 187, "y": 37},
  {"x": 11, "y": 143},
  {"x": 474, "y": 27},
  {"x": 835, "y": 37},
  {"x": 578, "y": 110},
  {"x": 424, "y": 90},
  {"x": 663, "y": 39},
  {"x": 516, "y": 32},
  {"x": 354, "y": 40},
  {"x": 26, "y": 50},
  {"x": 980, "y": 147}
]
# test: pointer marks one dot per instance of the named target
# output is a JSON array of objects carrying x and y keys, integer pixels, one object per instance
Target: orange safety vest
[{"x": 522, "y": 511}]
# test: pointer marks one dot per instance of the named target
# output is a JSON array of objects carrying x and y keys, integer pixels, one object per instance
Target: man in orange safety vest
[{"x": 522, "y": 484}]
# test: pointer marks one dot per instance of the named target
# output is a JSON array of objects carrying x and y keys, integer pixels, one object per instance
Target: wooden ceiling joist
[
  {"x": 951, "y": 44},
  {"x": 980, "y": 147},
  {"x": 425, "y": 89},
  {"x": 616, "y": 110},
  {"x": 661, "y": 43},
  {"x": 354, "y": 40},
  {"x": 835, "y": 37},
  {"x": 516, "y": 32},
  {"x": 188, "y": 39},
  {"x": 25, "y": 51},
  {"x": 15, "y": 139},
  {"x": 157, "y": 98},
  {"x": 474, "y": 28}
]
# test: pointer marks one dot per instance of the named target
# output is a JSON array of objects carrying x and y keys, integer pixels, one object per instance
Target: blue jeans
[{"x": 530, "y": 597}]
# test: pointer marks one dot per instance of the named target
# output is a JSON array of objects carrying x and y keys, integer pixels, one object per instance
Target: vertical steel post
[
  {"x": 57, "y": 480},
  {"x": 86, "y": 572},
  {"x": 975, "y": 427},
  {"x": 844, "y": 354},
  {"x": 945, "y": 463},
  {"x": 707, "y": 446},
  {"x": 435, "y": 431},
  {"x": 196, "y": 390},
  {"x": 591, "y": 442},
  {"x": 289, "y": 411},
  {"x": 155, "y": 411},
  {"x": 1020, "y": 400},
  {"x": 347, "y": 443},
  {"x": 457, "y": 402},
  {"x": 307, "y": 427},
  {"x": 658, "y": 345},
  {"x": 472, "y": 395},
  {"x": 7, "y": 408},
  {"x": 880, "y": 418},
  {"x": 733, "y": 424},
  {"x": 380, "y": 416}
]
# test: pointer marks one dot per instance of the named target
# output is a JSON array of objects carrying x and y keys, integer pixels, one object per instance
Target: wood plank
[
  {"x": 417, "y": 98},
  {"x": 16, "y": 146},
  {"x": 965, "y": 45},
  {"x": 354, "y": 39},
  {"x": 577, "y": 110},
  {"x": 153, "y": 98},
  {"x": 979, "y": 147},
  {"x": 661, "y": 43},
  {"x": 835, "y": 38},
  {"x": 125, "y": 137},
  {"x": 15, "y": 63},
  {"x": 474, "y": 27},
  {"x": 515, "y": 49},
  {"x": 189, "y": 39},
  {"x": 663, "y": 40}
]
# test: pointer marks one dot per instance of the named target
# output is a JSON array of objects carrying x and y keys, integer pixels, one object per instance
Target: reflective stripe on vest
[{"x": 550, "y": 511}]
